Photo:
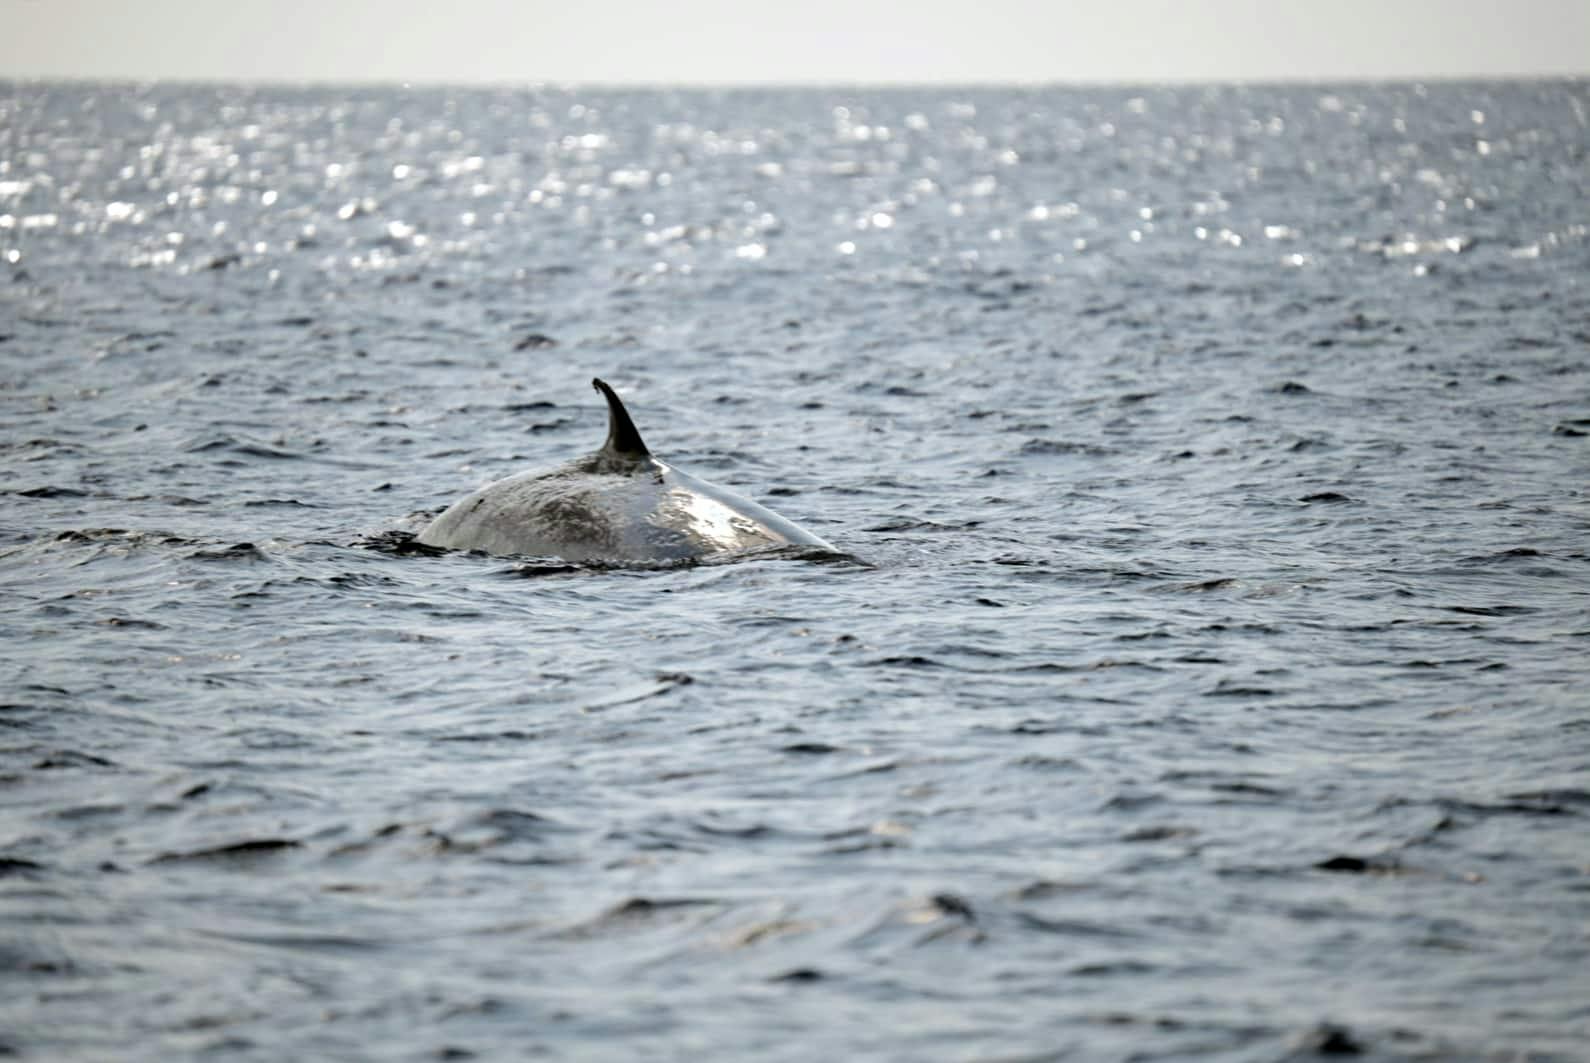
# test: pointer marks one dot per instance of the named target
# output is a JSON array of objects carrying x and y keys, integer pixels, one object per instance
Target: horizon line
[{"x": 691, "y": 85}]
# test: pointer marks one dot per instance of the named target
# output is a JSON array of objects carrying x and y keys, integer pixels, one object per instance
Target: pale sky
[{"x": 791, "y": 41}]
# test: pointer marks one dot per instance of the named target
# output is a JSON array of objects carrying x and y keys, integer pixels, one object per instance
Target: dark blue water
[{"x": 1210, "y": 680}]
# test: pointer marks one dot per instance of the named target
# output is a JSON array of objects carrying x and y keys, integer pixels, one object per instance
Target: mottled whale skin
[{"x": 618, "y": 504}]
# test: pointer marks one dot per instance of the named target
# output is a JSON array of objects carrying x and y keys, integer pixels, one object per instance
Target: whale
[{"x": 619, "y": 504}]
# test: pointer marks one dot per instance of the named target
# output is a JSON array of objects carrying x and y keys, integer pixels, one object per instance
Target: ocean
[{"x": 1205, "y": 674}]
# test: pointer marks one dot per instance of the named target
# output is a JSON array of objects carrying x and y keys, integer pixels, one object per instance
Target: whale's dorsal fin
[{"x": 622, "y": 437}]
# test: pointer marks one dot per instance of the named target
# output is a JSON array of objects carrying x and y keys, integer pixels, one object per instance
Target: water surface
[{"x": 1208, "y": 683}]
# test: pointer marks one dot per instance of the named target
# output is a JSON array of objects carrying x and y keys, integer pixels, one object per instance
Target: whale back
[{"x": 617, "y": 504}]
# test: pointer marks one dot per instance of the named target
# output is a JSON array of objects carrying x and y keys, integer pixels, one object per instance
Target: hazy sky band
[{"x": 812, "y": 41}]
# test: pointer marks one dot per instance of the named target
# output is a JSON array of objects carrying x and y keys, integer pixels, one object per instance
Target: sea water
[{"x": 1207, "y": 676}]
